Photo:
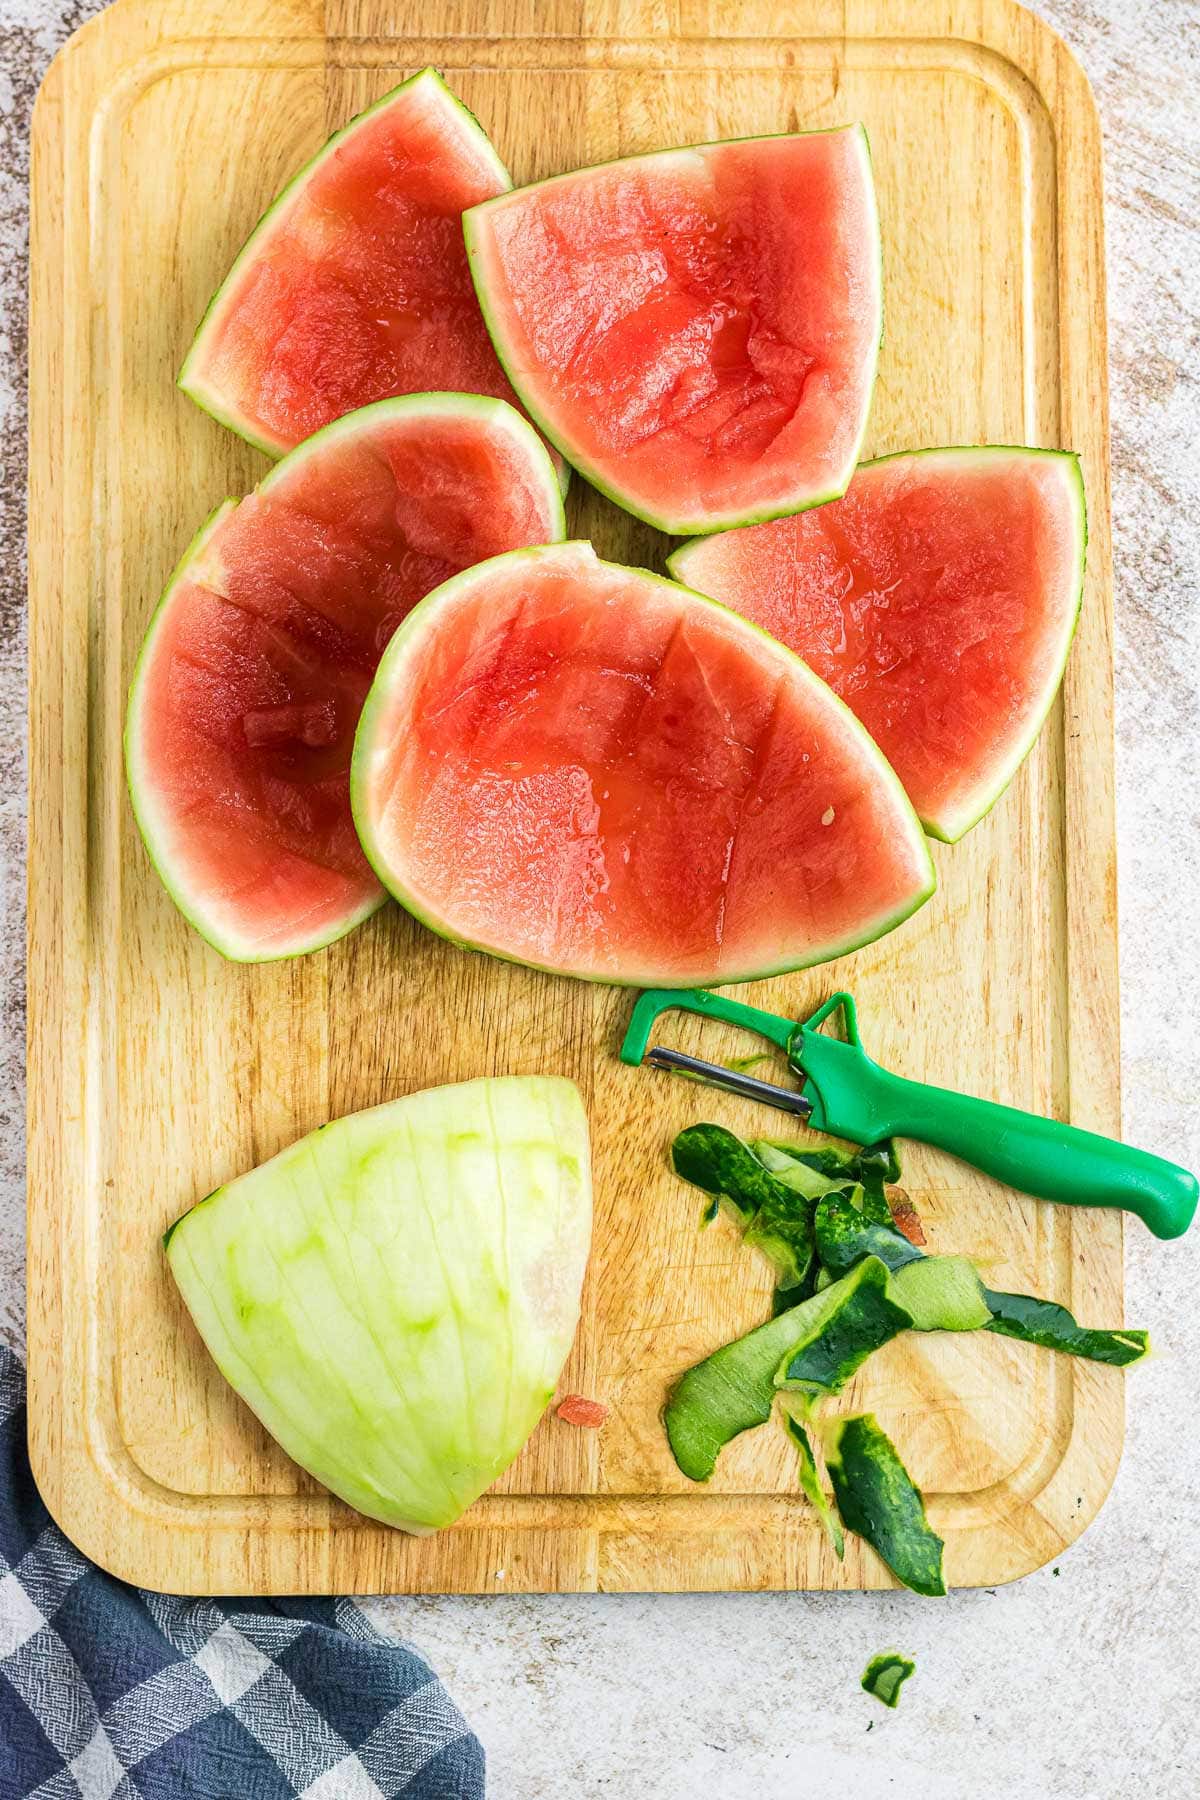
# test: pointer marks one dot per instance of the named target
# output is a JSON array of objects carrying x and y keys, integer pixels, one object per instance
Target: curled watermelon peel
[
  {"x": 600, "y": 845},
  {"x": 252, "y": 673},
  {"x": 939, "y": 598},
  {"x": 772, "y": 370}
]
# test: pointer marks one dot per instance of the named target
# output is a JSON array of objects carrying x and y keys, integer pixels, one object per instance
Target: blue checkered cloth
[{"x": 111, "y": 1693}]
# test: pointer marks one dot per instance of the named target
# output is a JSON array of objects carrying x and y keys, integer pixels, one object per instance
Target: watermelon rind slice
[
  {"x": 424, "y": 619},
  {"x": 489, "y": 409},
  {"x": 950, "y": 827},
  {"x": 429, "y": 86},
  {"x": 950, "y": 830},
  {"x": 153, "y": 827},
  {"x": 474, "y": 228},
  {"x": 151, "y": 823}
]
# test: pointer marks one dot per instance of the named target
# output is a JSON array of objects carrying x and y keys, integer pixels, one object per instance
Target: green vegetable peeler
[{"x": 849, "y": 1096}]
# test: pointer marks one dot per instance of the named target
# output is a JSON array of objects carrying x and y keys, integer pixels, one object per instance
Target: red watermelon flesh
[
  {"x": 938, "y": 598},
  {"x": 355, "y": 286},
  {"x": 696, "y": 329},
  {"x": 250, "y": 682},
  {"x": 589, "y": 769}
]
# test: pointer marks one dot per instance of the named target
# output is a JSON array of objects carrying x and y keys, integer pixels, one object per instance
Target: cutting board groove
[{"x": 156, "y": 1071}]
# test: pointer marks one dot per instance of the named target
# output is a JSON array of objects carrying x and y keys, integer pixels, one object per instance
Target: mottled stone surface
[{"x": 1073, "y": 1684}]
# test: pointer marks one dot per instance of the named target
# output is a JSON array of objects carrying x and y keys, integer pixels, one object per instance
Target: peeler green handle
[{"x": 848, "y": 1094}]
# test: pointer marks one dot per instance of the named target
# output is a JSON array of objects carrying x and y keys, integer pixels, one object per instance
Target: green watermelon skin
[
  {"x": 591, "y": 770},
  {"x": 938, "y": 597},
  {"x": 255, "y": 665},
  {"x": 696, "y": 330}
]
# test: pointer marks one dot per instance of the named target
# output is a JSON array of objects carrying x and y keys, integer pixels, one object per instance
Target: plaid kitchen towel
[{"x": 110, "y": 1693}]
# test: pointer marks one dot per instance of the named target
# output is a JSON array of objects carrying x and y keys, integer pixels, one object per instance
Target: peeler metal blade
[{"x": 676, "y": 1062}]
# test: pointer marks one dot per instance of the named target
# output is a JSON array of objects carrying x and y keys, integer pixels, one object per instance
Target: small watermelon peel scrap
[
  {"x": 886, "y": 1674},
  {"x": 905, "y": 1217}
]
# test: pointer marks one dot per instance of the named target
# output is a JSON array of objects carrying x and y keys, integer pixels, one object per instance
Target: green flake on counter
[{"x": 885, "y": 1675}]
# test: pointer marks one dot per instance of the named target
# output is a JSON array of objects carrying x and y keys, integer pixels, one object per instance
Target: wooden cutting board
[{"x": 157, "y": 1071}]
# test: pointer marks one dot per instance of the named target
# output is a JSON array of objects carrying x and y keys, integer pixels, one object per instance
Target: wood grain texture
[{"x": 158, "y": 1071}]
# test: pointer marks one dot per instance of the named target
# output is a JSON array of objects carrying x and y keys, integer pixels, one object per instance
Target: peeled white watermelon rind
[
  {"x": 949, "y": 829},
  {"x": 424, "y": 619},
  {"x": 474, "y": 227},
  {"x": 154, "y": 827},
  {"x": 192, "y": 380},
  {"x": 394, "y": 1295}
]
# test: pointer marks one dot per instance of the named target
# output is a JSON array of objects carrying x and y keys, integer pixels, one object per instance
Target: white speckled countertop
[{"x": 1076, "y": 1683}]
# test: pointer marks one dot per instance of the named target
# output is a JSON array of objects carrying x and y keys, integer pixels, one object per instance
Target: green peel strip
[
  {"x": 772, "y": 1189},
  {"x": 943, "y": 1293},
  {"x": 1045, "y": 1322},
  {"x": 866, "y": 1316},
  {"x": 871, "y": 1169},
  {"x": 775, "y": 1217},
  {"x": 877, "y": 1499},
  {"x": 734, "y": 1388},
  {"x": 810, "y": 1485},
  {"x": 844, "y": 1235}
]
